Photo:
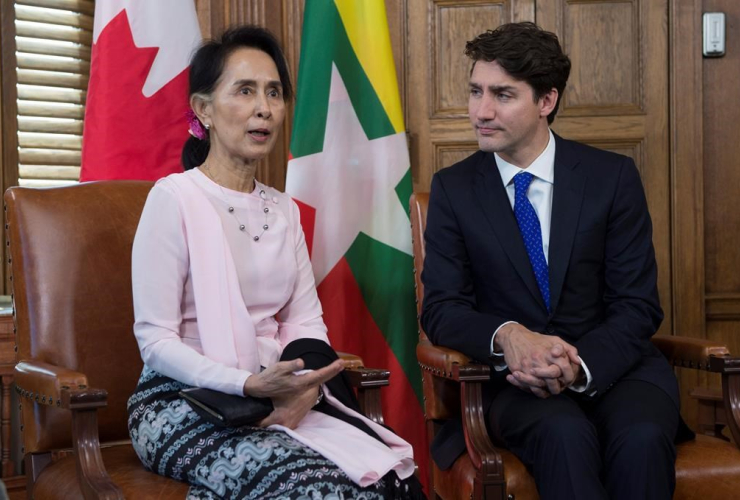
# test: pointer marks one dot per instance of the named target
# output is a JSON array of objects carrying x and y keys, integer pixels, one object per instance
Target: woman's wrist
[
  {"x": 320, "y": 397},
  {"x": 249, "y": 386}
]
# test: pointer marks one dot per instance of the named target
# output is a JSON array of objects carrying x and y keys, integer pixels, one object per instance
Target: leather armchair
[
  {"x": 70, "y": 254},
  {"x": 707, "y": 467}
]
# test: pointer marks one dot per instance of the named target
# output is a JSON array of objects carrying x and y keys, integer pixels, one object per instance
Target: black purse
[{"x": 227, "y": 410}]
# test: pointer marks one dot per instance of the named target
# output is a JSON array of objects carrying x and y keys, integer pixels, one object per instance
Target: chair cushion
[
  {"x": 707, "y": 468},
  {"x": 457, "y": 482},
  {"x": 59, "y": 479}
]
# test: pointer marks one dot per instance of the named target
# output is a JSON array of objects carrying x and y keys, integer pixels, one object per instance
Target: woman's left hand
[{"x": 290, "y": 410}]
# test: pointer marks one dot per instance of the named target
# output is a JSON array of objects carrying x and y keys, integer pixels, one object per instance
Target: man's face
[{"x": 503, "y": 111}]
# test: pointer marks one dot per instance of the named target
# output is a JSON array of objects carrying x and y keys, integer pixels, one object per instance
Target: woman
[{"x": 225, "y": 299}]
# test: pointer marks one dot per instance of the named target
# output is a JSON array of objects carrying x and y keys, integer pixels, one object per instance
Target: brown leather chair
[
  {"x": 70, "y": 254},
  {"x": 706, "y": 468}
]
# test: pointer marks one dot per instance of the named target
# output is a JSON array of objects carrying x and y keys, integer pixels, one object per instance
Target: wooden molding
[
  {"x": 8, "y": 96},
  {"x": 723, "y": 306},
  {"x": 687, "y": 186}
]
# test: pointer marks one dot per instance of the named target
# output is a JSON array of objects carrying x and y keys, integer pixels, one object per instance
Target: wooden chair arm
[
  {"x": 367, "y": 382},
  {"x": 702, "y": 354},
  {"x": 729, "y": 367},
  {"x": 447, "y": 368},
  {"x": 46, "y": 384},
  {"x": 689, "y": 352},
  {"x": 449, "y": 364},
  {"x": 351, "y": 360}
]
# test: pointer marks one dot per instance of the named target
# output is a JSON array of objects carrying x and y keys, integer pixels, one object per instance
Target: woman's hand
[
  {"x": 279, "y": 381},
  {"x": 290, "y": 410}
]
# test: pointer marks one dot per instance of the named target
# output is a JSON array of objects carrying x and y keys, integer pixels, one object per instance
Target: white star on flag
[{"x": 351, "y": 185}]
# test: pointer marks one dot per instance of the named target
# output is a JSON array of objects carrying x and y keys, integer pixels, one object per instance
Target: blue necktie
[{"x": 529, "y": 226}]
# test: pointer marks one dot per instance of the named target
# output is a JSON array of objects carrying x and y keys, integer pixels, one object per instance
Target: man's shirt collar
[{"x": 543, "y": 167}]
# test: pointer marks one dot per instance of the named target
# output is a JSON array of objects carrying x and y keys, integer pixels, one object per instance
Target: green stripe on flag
[
  {"x": 386, "y": 282},
  {"x": 404, "y": 189},
  {"x": 318, "y": 51}
]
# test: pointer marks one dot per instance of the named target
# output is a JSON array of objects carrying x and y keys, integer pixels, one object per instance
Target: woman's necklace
[{"x": 230, "y": 207}]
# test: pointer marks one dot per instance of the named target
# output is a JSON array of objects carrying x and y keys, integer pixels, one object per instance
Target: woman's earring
[{"x": 208, "y": 127}]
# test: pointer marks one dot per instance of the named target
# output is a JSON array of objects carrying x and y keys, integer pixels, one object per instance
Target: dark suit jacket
[{"x": 603, "y": 289}]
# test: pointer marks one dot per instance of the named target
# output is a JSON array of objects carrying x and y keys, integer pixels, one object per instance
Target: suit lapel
[
  {"x": 566, "y": 208},
  {"x": 491, "y": 194}
]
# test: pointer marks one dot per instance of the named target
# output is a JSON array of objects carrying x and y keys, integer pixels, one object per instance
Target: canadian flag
[{"x": 135, "y": 123}]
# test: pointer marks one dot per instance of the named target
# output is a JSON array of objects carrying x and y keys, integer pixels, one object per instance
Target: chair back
[
  {"x": 418, "y": 205},
  {"x": 70, "y": 254},
  {"x": 441, "y": 396}
]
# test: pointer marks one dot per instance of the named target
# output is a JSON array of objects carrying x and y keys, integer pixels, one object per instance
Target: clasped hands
[
  {"x": 292, "y": 395},
  {"x": 544, "y": 365}
]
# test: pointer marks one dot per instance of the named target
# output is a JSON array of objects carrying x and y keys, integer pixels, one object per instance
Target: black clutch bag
[{"x": 227, "y": 410}]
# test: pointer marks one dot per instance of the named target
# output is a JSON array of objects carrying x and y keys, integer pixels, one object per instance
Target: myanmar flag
[{"x": 350, "y": 174}]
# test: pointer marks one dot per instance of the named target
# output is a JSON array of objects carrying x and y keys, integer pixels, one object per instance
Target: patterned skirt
[{"x": 246, "y": 463}]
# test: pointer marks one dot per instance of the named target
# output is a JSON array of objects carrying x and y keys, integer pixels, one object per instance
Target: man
[{"x": 539, "y": 262}]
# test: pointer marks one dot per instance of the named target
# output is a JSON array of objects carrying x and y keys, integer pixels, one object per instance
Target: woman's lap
[{"x": 172, "y": 440}]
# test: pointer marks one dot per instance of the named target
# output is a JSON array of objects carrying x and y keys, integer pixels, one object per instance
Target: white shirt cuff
[
  {"x": 498, "y": 357},
  {"x": 587, "y": 386}
]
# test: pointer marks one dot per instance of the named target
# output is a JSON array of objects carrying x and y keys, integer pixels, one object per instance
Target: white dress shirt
[{"x": 540, "y": 196}]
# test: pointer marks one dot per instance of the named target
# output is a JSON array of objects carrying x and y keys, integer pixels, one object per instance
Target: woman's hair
[
  {"x": 207, "y": 66},
  {"x": 526, "y": 52}
]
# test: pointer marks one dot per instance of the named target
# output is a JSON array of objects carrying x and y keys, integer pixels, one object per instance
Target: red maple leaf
[{"x": 128, "y": 135}]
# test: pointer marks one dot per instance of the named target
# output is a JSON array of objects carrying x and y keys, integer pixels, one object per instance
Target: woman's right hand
[
  {"x": 289, "y": 411},
  {"x": 279, "y": 380}
]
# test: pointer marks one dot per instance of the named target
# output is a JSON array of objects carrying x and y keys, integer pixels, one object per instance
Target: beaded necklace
[{"x": 230, "y": 207}]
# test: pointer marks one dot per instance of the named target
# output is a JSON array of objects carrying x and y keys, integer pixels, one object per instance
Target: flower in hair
[{"x": 195, "y": 128}]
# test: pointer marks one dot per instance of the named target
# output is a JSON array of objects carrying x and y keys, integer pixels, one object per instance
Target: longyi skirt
[{"x": 246, "y": 463}]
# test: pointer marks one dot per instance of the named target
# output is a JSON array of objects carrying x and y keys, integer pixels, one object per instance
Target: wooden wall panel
[
  {"x": 453, "y": 24},
  {"x": 721, "y": 159},
  {"x": 447, "y": 154},
  {"x": 616, "y": 96},
  {"x": 602, "y": 38}
]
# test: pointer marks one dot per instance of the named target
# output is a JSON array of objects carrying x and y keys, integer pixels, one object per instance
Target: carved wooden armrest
[
  {"x": 454, "y": 366},
  {"x": 689, "y": 352},
  {"x": 449, "y": 364},
  {"x": 350, "y": 360},
  {"x": 68, "y": 390},
  {"x": 367, "y": 382},
  {"x": 51, "y": 385},
  {"x": 729, "y": 367}
]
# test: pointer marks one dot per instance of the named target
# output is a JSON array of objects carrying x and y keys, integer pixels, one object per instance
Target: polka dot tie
[{"x": 529, "y": 226}]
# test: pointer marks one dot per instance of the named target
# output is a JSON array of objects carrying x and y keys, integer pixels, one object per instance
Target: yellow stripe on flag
[{"x": 367, "y": 29}]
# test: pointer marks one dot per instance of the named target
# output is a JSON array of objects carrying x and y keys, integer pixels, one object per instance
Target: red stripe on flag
[
  {"x": 353, "y": 330},
  {"x": 308, "y": 222}
]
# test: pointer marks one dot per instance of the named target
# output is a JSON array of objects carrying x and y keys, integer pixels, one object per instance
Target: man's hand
[
  {"x": 568, "y": 376},
  {"x": 540, "y": 364}
]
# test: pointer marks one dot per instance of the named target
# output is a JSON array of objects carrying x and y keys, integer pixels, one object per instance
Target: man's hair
[{"x": 527, "y": 53}]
